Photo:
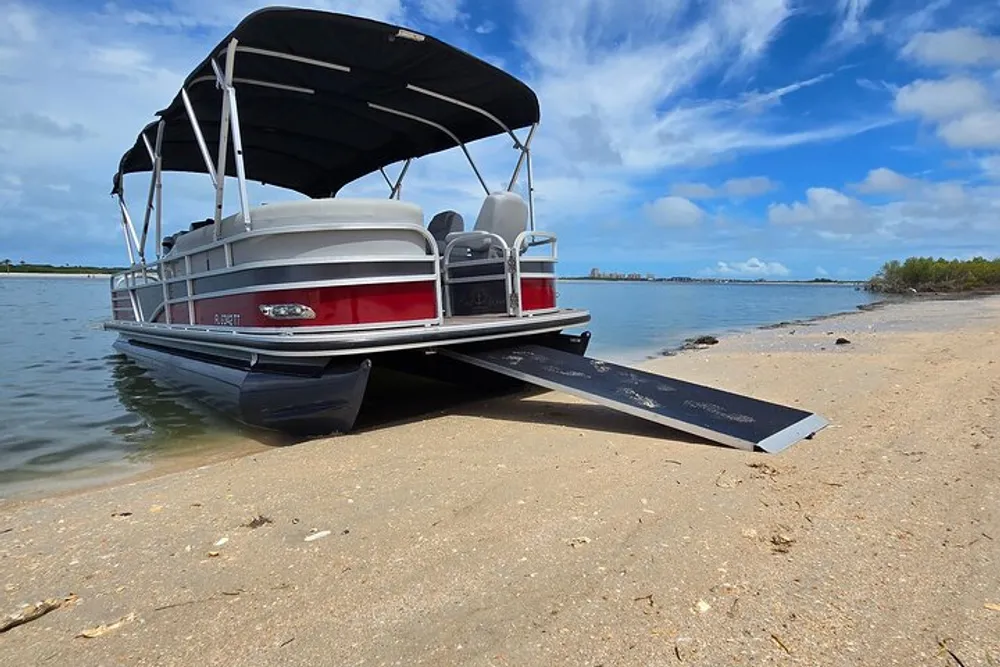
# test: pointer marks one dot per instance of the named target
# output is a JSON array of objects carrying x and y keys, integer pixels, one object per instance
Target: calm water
[
  {"x": 632, "y": 321},
  {"x": 70, "y": 405}
]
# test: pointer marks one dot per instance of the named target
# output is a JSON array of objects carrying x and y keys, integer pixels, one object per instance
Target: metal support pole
[
  {"x": 158, "y": 170},
  {"x": 388, "y": 182},
  {"x": 473, "y": 165},
  {"x": 440, "y": 127},
  {"x": 127, "y": 220},
  {"x": 466, "y": 105},
  {"x": 154, "y": 155},
  {"x": 397, "y": 189},
  {"x": 531, "y": 194},
  {"x": 241, "y": 176},
  {"x": 525, "y": 147},
  {"x": 199, "y": 137},
  {"x": 159, "y": 205},
  {"x": 128, "y": 241},
  {"x": 224, "y": 80}
]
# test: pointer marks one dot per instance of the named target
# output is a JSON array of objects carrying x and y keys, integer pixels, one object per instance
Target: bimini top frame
[{"x": 326, "y": 98}]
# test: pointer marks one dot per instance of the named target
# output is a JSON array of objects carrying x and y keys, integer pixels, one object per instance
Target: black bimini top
[{"x": 307, "y": 86}]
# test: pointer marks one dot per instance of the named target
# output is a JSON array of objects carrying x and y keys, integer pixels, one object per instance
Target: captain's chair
[
  {"x": 504, "y": 214},
  {"x": 443, "y": 224}
]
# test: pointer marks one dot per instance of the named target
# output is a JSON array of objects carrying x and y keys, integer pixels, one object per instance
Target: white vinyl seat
[
  {"x": 303, "y": 213},
  {"x": 504, "y": 214}
]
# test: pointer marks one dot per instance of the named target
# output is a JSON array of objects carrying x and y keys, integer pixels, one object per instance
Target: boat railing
[
  {"x": 528, "y": 279},
  {"x": 451, "y": 270},
  {"x": 184, "y": 282},
  {"x": 534, "y": 275}
]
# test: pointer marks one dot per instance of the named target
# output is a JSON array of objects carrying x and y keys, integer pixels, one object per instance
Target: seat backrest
[
  {"x": 504, "y": 214},
  {"x": 442, "y": 224}
]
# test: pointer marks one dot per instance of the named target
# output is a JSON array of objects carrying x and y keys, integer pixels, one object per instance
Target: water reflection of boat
[{"x": 162, "y": 412}]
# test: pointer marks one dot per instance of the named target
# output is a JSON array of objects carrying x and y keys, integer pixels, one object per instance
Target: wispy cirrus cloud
[{"x": 852, "y": 24}]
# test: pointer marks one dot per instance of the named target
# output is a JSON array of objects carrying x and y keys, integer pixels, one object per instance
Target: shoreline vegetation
[
  {"x": 649, "y": 278},
  {"x": 923, "y": 275},
  {"x": 7, "y": 267}
]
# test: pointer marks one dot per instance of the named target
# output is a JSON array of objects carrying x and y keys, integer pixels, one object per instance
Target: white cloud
[
  {"x": 925, "y": 211},
  {"x": 980, "y": 129},
  {"x": 674, "y": 212},
  {"x": 748, "y": 187},
  {"x": 486, "y": 27},
  {"x": 441, "y": 11},
  {"x": 825, "y": 209},
  {"x": 852, "y": 13},
  {"x": 757, "y": 101},
  {"x": 821, "y": 272},
  {"x": 961, "y": 107},
  {"x": 991, "y": 166},
  {"x": 883, "y": 180},
  {"x": 941, "y": 99},
  {"x": 753, "y": 24},
  {"x": 751, "y": 186},
  {"x": 958, "y": 47},
  {"x": 20, "y": 24},
  {"x": 616, "y": 81},
  {"x": 752, "y": 268}
]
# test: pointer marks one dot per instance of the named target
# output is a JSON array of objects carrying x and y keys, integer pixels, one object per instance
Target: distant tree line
[
  {"x": 8, "y": 266},
  {"x": 926, "y": 274}
]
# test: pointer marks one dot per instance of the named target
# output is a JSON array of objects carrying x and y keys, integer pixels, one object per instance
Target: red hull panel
[
  {"x": 538, "y": 293},
  {"x": 353, "y": 304},
  {"x": 179, "y": 313}
]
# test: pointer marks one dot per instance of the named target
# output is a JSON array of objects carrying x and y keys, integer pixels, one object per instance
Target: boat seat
[
  {"x": 304, "y": 213},
  {"x": 443, "y": 224},
  {"x": 168, "y": 241},
  {"x": 504, "y": 214}
]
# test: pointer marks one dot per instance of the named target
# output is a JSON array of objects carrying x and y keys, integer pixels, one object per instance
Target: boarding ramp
[{"x": 716, "y": 415}]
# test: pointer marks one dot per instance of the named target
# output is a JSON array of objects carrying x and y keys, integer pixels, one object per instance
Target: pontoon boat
[
  {"x": 279, "y": 311},
  {"x": 277, "y": 314}
]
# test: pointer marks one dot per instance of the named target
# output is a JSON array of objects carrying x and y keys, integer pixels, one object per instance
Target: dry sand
[{"x": 545, "y": 531}]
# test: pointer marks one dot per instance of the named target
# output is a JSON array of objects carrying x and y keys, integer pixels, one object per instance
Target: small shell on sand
[{"x": 316, "y": 536}]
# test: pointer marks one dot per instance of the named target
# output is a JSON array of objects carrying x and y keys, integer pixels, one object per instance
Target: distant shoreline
[
  {"x": 712, "y": 281},
  {"x": 28, "y": 274}
]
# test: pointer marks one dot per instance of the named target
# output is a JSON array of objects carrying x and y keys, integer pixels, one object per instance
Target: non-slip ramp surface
[{"x": 721, "y": 416}]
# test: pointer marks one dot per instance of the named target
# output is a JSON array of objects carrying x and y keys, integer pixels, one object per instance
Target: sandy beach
[{"x": 541, "y": 530}]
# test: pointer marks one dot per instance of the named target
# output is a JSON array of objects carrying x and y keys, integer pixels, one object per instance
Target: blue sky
[{"x": 762, "y": 138}]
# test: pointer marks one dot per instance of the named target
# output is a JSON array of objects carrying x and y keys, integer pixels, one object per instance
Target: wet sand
[{"x": 543, "y": 530}]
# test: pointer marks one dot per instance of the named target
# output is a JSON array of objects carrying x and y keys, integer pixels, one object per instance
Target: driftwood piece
[{"x": 33, "y": 612}]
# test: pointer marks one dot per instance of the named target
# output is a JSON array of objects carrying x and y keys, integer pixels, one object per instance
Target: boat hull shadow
[{"x": 324, "y": 396}]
